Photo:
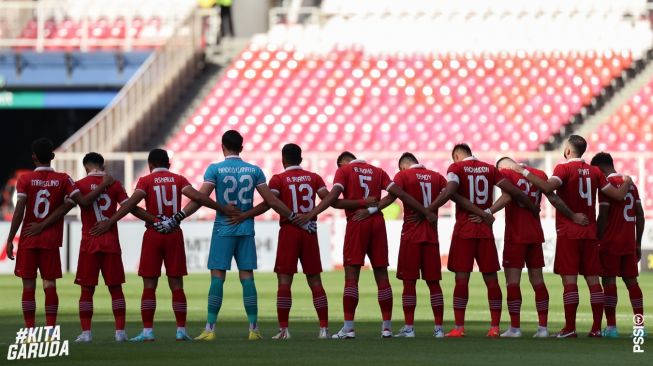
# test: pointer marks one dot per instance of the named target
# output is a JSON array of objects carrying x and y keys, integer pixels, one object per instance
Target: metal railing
[
  {"x": 43, "y": 25},
  {"x": 141, "y": 105}
]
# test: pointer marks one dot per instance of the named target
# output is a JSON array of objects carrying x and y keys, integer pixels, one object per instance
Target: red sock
[
  {"x": 542, "y": 303},
  {"x": 148, "y": 307},
  {"x": 513, "y": 299},
  {"x": 321, "y": 305},
  {"x": 118, "y": 306},
  {"x": 86, "y": 307},
  {"x": 494, "y": 299},
  {"x": 385, "y": 299},
  {"x": 179, "y": 306},
  {"x": 284, "y": 303},
  {"x": 596, "y": 300},
  {"x": 460, "y": 297},
  {"x": 51, "y": 306},
  {"x": 636, "y": 299},
  {"x": 350, "y": 299},
  {"x": 570, "y": 300},
  {"x": 409, "y": 301},
  {"x": 437, "y": 301},
  {"x": 29, "y": 306},
  {"x": 610, "y": 295}
]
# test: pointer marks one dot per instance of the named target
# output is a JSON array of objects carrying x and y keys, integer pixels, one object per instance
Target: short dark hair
[
  {"x": 94, "y": 159},
  {"x": 502, "y": 159},
  {"x": 159, "y": 158},
  {"x": 343, "y": 156},
  {"x": 578, "y": 143},
  {"x": 292, "y": 154},
  {"x": 603, "y": 159},
  {"x": 408, "y": 157},
  {"x": 43, "y": 148},
  {"x": 462, "y": 147},
  {"x": 232, "y": 140}
]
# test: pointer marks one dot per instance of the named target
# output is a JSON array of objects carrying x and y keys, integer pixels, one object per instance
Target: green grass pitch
[{"x": 232, "y": 348}]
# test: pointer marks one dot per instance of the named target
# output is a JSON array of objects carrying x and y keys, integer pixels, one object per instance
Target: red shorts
[
  {"x": 516, "y": 255},
  {"x": 46, "y": 261},
  {"x": 296, "y": 244},
  {"x": 366, "y": 237},
  {"x": 90, "y": 264},
  {"x": 463, "y": 252},
  {"x": 416, "y": 257},
  {"x": 577, "y": 256},
  {"x": 161, "y": 249},
  {"x": 615, "y": 265}
]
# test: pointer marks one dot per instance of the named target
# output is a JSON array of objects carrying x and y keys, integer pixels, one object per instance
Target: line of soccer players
[{"x": 607, "y": 247}]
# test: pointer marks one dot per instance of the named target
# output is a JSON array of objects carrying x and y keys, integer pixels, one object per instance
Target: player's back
[
  {"x": 45, "y": 190},
  {"x": 102, "y": 209},
  {"x": 297, "y": 189},
  {"x": 521, "y": 226},
  {"x": 580, "y": 182},
  {"x": 360, "y": 180},
  {"x": 620, "y": 231},
  {"x": 162, "y": 190},
  {"x": 476, "y": 180},
  {"x": 424, "y": 185},
  {"x": 235, "y": 182}
]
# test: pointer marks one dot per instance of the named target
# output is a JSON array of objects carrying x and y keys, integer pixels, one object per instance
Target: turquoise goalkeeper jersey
[{"x": 235, "y": 182}]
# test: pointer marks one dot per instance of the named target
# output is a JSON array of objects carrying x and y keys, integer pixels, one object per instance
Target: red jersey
[
  {"x": 476, "y": 180},
  {"x": 45, "y": 190},
  {"x": 360, "y": 180},
  {"x": 162, "y": 191},
  {"x": 297, "y": 189},
  {"x": 620, "y": 235},
  {"x": 580, "y": 182},
  {"x": 521, "y": 226},
  {"x": 102, "y": 209},
  {"x": 424, "y": 185}
]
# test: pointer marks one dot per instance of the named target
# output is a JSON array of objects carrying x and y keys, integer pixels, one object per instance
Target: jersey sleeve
[
  {"x": 636, "y": 194},
  {"x": 340, "y": 179},
  {"x": 260, "y": 177},
  {"x": 119, "y": 192},
  {"x": 142, "y": 185},
  {"x": 454, "y": 173},
  {"x": 400, "y": 181},
  {"x": 386, "y": 182},
  {"x": 21, "y": 186},
  {"x": 183, "y": 183},
  {"x": 319, "y": 183},
  {"x": 443, "y": 182},
  {"x": 497, "y": 175},
  {"x": 560, "y": 173},
  {"x": 69, "y": 186},
  {"x": 275, "y": 184},
  {"x": 210, "y": 175},
  {"x": 603, "y": 181}
]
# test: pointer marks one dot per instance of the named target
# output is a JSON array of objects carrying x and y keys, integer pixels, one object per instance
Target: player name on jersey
[{"x": 44, "y": 183}]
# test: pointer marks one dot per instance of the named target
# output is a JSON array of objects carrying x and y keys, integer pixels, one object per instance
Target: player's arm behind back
[{"x": 16, "y": 220}]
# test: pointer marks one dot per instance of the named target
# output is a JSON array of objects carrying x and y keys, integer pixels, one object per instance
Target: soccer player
[
  {"x": 620, "y": 229},
  {"x": 358, "y": 180},
  {"x": 577, "y": 247},
  {"x": 523, "y": 240},
  {"x": 40, "y": 193},
  {"x": 297, "y": 188},
  {"x": 234, "y": 182},
  {"x": 97, "y": 253},
  {"x": 162, "y": 191},
  {"x": 419, "y": 247},
  {"x": 474, "y": 180}
]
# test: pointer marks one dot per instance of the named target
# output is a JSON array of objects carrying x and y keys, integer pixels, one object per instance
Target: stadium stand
[
  {"x": 390, "y": 88},
  {"x": 630, "y": 129}
]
